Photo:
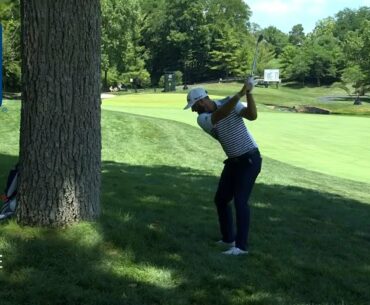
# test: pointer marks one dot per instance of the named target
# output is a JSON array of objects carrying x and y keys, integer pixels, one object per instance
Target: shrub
[{"x": 178, "y": 77}]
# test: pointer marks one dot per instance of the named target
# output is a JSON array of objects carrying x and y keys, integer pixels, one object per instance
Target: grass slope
[
  {"x": 334, "y": 145},
  {"x": 290, "y": 96},
  {"x": 310, "y": 237}
]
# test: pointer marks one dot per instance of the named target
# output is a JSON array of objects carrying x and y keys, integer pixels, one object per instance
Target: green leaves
[
  {"x": 203, "y": 38},
  {"x": 121, "y": 49},
  {"x": 354, "y": 29},
  {"x": 209, "y": 39},
  {"x": 10, "y": 19},
  {"x": 296, "y": 35},
  {"x": 276, "y": 38}
]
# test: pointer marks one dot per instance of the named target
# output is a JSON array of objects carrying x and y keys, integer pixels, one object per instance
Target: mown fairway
[
  {"x": 334, "y": 145},
  {"x": 154, "y": 244}
]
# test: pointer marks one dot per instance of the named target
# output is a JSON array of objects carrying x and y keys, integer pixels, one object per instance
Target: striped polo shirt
[{"x": 231, "y": 131}]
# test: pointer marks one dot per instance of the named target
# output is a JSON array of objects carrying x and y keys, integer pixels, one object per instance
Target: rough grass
[{"x": 154, "y": 243}]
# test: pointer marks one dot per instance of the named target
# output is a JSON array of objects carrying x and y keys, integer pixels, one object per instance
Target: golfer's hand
[
  {"x": 247, "y": 88},
  {"x": 249, "y": 84}
]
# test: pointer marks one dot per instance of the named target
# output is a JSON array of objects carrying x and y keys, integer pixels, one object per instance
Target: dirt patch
[
  {"x": 300, "y": 109},
  {"x": 310, "y": 109}
]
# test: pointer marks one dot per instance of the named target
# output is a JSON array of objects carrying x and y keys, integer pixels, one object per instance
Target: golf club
[{"x": 260, "y": 37}]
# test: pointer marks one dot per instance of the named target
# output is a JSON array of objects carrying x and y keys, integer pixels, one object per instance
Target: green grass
[
  {"x": 284, "y": 96},
  {"x": 9, "y": 127},
  {"x": 334, "y": 145},
  {"x": 288, "y": 96},
  {"x": 310, "y": 238}
]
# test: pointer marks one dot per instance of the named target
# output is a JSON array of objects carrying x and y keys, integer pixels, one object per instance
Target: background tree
[
  {"x": 10, "y": 19},
  {"x": 122, "y": 55},
  {"x": 276, "y": 38},
  {"x": 209, "y": 39},
  {"x": 179, "y": 35},
  {"x": 176, "y": 37},
  {"x": 352, "y": 77},
  {"x": 231, "y": 43},
  {"x": 349, "y": 20},
  {"x": 60, "y": 137},
  {"x": 295, "y": 63},
  {"x": 324, "y": 53},
  {"x": 316, "y": 58},
  {"x": 297, "y": 35},
  {"x": 356, "y": 48},
  {"x": 224, "y": 56}
]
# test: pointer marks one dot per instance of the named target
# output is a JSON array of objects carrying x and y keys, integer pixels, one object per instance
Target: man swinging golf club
[{"x": 223, "y": 120}]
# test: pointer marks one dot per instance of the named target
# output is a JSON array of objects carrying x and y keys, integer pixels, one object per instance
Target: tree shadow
[
  {"x": 295, "y": 85},
  {"x": 154, "y": 244},
  {"x": 6, "y": 164}
]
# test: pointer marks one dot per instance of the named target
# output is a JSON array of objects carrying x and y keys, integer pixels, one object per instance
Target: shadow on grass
[
  {"x": 154, "y": 245},
  {"x": 295, "y": 85},
  {"x": 6, "y": 164},
  {"x": 348, "y": 98}
]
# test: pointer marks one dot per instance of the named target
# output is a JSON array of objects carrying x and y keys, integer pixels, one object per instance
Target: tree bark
[{"x": 60, "y": 133}]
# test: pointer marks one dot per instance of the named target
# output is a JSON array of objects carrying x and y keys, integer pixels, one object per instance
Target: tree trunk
[{"x": 60, "y": 134}]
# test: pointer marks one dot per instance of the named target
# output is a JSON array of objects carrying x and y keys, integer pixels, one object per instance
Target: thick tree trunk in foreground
[{"x": 60, "y": 139}]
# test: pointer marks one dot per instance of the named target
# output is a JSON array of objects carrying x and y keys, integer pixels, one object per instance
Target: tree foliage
[
  {"x": 10, "y": 20},
  {"x": 122, "y": 54},
  {"x": 276, "y": 38},
  {"x": 209, "y": 39},
  {"x": 297, "y": 35},
  {"x": 324, "y": 55},
  {"x": 206, "y": 38},
  {"x": 352, "y": 28}
]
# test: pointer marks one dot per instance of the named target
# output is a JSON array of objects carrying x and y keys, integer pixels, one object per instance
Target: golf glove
[{"x": 249, "y": 83}]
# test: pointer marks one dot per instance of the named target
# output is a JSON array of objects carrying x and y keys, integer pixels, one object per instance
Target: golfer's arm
[
  {"x": 224, "y": 111},
  {"x": 250, "y": 112}
]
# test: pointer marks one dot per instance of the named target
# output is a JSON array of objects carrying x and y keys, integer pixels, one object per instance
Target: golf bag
[{"x": 9, "y": 196}]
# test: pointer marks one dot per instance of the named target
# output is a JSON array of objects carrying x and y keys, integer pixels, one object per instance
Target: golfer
[{"x": 223, "y": 120}]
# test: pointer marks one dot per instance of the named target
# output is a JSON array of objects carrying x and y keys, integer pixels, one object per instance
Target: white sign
[{"x": 271, "y": 75}]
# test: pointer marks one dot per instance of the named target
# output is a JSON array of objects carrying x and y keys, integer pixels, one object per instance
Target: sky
[{"x": 284, "y": 14}]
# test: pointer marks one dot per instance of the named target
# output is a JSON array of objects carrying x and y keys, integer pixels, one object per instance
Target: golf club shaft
[
  {"x": 254, "y": 61},
  {"x": 254, "y": 65}
]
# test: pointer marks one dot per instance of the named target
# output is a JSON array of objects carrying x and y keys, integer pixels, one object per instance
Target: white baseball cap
[{"x": 194, "y": 96}]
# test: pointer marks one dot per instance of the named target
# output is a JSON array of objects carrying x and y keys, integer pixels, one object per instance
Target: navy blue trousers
[{"x": 236, "y": 182}]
